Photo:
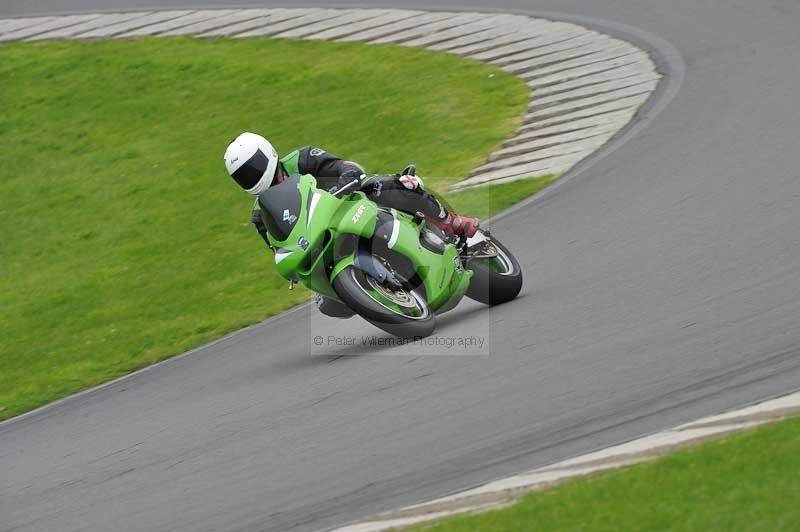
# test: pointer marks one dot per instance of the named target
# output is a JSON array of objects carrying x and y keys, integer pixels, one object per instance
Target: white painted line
[
  {"x": 506, "y": 491},
  {"x": 789, "y": 403}
]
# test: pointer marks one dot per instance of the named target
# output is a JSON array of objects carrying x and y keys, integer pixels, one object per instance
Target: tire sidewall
[
  {"x": 348, "y": 290},
  {"x": 491, "y": 288}
]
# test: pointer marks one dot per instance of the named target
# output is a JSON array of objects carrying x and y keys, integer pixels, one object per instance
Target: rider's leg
[{"x": 407, "y": 194}]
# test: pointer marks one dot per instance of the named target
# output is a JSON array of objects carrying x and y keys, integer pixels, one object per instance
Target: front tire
[
  {"x": 331, "y": 307},
  {"x": 403, "y": 313},
  {"x": 495, "y": 280}
]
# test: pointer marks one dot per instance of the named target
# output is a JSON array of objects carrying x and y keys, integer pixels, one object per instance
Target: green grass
[
  {"x": 747, "y": 482},
  {"x": 486, "y": 201},
  {"x": 123, "y": 240}
]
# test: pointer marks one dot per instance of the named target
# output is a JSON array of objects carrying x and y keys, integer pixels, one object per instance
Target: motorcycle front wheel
[{"x": 401, "y": 312}]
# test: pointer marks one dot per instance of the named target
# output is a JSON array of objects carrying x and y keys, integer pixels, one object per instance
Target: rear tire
[
  {"x": 497, "y": 280},
  {"x": 402, "y": 313}
]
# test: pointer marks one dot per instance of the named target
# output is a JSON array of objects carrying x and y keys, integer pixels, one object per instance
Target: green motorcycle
[{"x": 391, "y": 268}]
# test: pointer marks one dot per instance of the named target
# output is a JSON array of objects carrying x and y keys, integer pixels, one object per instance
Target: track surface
[{"x": 663, "y": 284}]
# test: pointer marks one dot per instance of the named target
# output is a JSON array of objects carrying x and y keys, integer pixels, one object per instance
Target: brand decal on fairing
[
  {"x": 289, "y": 217},
  {"x": 357, "y": 215}
]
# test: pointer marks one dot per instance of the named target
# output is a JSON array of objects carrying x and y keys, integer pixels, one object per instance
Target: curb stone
[{"x": 585, "y": 86}]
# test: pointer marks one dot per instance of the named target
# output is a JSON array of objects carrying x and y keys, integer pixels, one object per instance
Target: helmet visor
[{"x": 250, "y": 173}]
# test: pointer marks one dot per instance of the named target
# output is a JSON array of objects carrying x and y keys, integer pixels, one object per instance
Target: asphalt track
[{"x": 663, "y": 284}]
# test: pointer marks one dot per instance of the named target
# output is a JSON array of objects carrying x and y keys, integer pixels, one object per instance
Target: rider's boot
[{"x": 456, "y": 225}]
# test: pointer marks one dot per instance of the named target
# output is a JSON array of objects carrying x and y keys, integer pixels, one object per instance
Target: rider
[{"x": 254, "y": 164}]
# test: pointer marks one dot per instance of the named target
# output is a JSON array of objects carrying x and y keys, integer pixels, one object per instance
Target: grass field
[
  {"x": 123, "y": 240},
  {"x": 747, "y": 482}
]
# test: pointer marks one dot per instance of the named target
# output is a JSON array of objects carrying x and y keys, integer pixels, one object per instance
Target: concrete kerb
[{"x": 550, "y": 55}]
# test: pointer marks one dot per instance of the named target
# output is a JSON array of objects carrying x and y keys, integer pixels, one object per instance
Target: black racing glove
[
  {"x": 260, "y": 227},
  {"x": 345, "y": 180}
]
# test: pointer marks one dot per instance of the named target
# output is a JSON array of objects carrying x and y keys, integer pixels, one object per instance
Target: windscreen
[{"x": 280, "y": 207}]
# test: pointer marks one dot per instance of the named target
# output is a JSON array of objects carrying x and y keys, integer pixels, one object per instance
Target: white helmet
[{"x": 251, "y": 160}]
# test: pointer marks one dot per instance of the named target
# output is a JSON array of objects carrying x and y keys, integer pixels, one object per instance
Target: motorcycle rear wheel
[{"x": 497, "y": 279}]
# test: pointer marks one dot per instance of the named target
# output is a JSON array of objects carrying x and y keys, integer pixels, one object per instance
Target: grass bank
[
  {"x": 123, "y": 240},
  {"x": 746, "y": 482}
]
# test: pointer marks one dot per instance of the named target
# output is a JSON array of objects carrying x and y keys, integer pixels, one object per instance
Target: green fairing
[
  {"x": 291, "y": 162},
  {"x": 307, "y": 253}
]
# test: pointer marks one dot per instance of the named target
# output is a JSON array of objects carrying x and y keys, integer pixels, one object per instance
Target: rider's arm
[
  {"x": 258, "y": 223},
  {"x": 326, "y": 167}
]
